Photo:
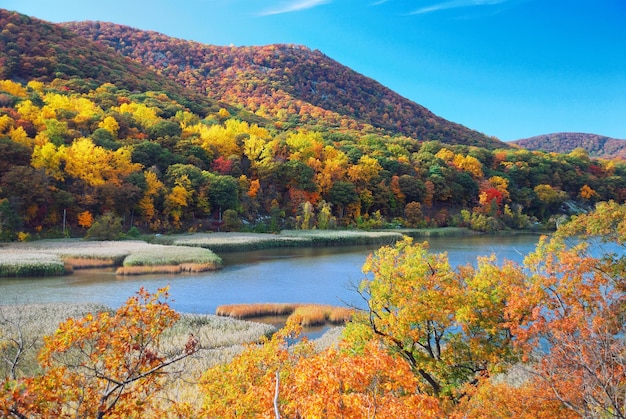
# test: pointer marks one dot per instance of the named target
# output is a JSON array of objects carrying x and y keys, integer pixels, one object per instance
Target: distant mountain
[
  {"x": 293, "y": 84},
  {"x": 565, "y": 142}
]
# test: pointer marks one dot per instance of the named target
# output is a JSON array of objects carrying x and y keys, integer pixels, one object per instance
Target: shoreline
[{"x": 179, "y": 253}]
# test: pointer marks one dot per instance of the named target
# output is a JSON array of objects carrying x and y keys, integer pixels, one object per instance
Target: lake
[{"x": 306, "y": 275}]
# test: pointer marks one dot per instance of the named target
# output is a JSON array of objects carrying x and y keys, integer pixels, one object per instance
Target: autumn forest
[{"x": 108, "y": 132}]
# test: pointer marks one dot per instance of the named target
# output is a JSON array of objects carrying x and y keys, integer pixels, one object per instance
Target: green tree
[{"x": 342, "y": 194}]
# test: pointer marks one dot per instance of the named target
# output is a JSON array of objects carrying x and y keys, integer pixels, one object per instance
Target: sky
[{"x": 509, "y": 68}]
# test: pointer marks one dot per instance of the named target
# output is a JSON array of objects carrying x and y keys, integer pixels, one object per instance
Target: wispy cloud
[
  {"x": 454, "y": 4},
  {"x": 294, "y": 6}
]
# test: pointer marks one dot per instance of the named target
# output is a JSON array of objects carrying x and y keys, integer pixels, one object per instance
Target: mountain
[
  {"x": 565, "y": 142},
  {"x": 32, "y": 49},
  {"x": 293, "y": 84}
]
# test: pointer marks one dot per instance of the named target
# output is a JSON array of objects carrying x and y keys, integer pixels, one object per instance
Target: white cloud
[
  {"x": 454, "y": 4},
  {"x": 294, "y": 6}
]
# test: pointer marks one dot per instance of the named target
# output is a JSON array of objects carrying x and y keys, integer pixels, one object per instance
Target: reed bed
[
  {"x": 248, "y": 311},
  {"x": 172, "y": 255},
  {"x": 88, "y": 263},
  {"x": 309, "y": 314},
  {"x": 15, "y": 264},
  {"x": 47, "y": 257},
  {"x": 240, "y": 242}
]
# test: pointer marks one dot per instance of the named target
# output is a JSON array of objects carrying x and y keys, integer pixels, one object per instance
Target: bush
[
  {"x": 232, "y": 222},
  {"x": 106, "y": 227}
]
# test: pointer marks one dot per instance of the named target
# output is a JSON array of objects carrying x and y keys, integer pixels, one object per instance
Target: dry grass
[
  {"x": 88, "y": 263},
  {"x": 310, "y": 314},
  {"x": 166, "y": 269},
  {"x": 248, "y": 311},
  {"x": 144, "y": 270}
]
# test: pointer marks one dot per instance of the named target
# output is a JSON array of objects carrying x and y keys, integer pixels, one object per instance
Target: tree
[
  {"x": 448, "y": 325},
  {"x": 568, "y": 315},
  {"x": 342, "y": 194},
  {"x": 274, "y": 379},
  {"x": 103, "y": 365},
  {"x": 105, "y": 227}
]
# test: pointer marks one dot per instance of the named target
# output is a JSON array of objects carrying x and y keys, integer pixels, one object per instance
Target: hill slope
[
  {"x": 292, "y": 83},
  {"x": 32, "y": 49},
  {"x": 565, "y": 142}
]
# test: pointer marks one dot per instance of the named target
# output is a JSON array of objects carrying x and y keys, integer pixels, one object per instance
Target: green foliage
[
  {"x": 106, "y": 227},
  {"x": 232, "y": 221}
]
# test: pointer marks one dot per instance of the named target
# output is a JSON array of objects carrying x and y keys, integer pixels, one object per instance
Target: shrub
[{"x": 106, "y": 227}]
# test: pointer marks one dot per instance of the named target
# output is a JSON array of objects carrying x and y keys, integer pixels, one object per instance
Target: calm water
[{"x": 318, "y": 275}]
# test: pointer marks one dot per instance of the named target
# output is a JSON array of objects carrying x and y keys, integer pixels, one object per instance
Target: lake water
[{"x": 307, "y": 275}]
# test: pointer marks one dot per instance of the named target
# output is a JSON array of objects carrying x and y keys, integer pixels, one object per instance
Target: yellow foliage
[
  {"x": 20, "y": 136},
  {"x": 5, "y": 123},
  {"x": 48, "y": 157},
  {"x": 13, "y": 88},
  {"x": 96, "y": 165},
  {"x": 110, "y": 124},
  {"x": 469, "y": 164},
  {"x": 143, "y": 114},
  {"x": 445, "y": 155},
  {"x": 36, "y": 85}
]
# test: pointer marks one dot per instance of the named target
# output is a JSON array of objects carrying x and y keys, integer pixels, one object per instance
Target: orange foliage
[{"x": 108, "y": 364}]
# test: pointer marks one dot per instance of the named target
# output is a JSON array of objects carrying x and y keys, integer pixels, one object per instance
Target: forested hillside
[
  {"x": 77, "y": 149},
  {"x": 297, "y": 86},
  {"x": 565, "y": 142}
]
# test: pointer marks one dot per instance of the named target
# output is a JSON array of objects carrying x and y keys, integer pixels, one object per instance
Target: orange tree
[
  {"x": 104, "y": 365},
  {"x": 569, "y": 314},
  {"x": 280, "y": 378}
]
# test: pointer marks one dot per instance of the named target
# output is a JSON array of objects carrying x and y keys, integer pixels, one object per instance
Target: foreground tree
[
  {"x": 569, "y": 315},
  {"x": 279, "y": 380},
  {"x": 447, "y": 324},
  {"x": 104, "y": 365}
]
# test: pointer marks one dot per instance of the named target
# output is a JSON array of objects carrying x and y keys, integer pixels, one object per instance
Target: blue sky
[{"x": 509, "y": 68}]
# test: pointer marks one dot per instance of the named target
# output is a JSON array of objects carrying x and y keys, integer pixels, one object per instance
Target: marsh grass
[
  {"x": 220, "y": 340},
  {"x": 309, "y": 314},
  {"x": 14, "y": 264},
  {"x": 172, "y": 255},
  {"x": 47, "y": 257},
  {"x": 241, "y": 242}
]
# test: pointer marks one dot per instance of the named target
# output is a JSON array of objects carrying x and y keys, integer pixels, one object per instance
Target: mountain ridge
[
  {"x": 292, "y": 83},
  {"x": 565, "y": 142}
]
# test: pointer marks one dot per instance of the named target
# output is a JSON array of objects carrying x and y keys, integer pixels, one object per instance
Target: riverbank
[{"x": 179, "y": 253}]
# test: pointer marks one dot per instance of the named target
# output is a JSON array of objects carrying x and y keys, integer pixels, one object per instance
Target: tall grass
[
  {"x": 240, "y": 242},
  {"x": 221, "y": 338},
  {"x": 14, "y": 264},
  {"x": 170, "y": 259}
]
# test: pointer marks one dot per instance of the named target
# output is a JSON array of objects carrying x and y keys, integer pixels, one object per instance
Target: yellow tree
[
  {"x": 146, "y": 204},
  {"x": 50, "y": 158},
  {"x": 96, "y": 165},
  {"x": 448, "y": 325},
  {"x": 275, "y": 380}
]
